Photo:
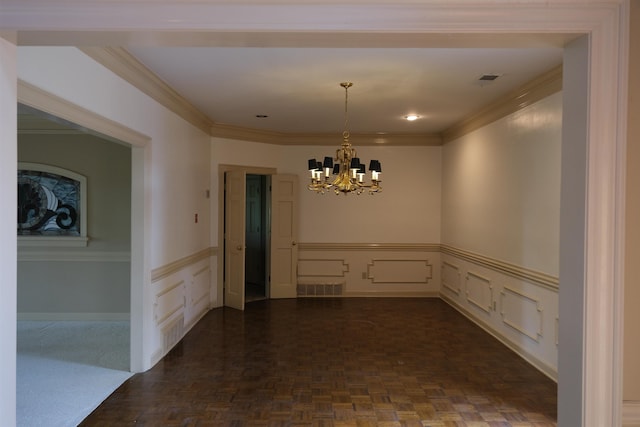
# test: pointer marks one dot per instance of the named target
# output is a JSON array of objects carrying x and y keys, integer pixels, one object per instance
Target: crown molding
[
  {"x": 539, "y": 88},
  {"x": 125, "y": 65},
  {"x": 284, "y": 138}
]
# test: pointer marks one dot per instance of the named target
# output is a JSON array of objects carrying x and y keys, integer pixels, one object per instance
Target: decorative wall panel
[
  {"x": 479, "y": 292},
  {"x": 169, "y": 301},
  {"x": 399, "y": 271},
  {"x": 368, "y": 269},
  {"x": 182, "y": 297},
  {"x": 200, "y": 286},
  {"x": 322, "y": 267},
  {"x": 525, "y": 304},
  {"x": 521, "y": 312},
  {"x": 451, "y": 277}
]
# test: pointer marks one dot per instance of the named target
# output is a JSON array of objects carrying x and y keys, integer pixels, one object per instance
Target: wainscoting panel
[
  {"x": 479, "y": 292},
  {"x": 169, "y": 300},
  {"x": 391, "y": 271},
  {"x": 182, "y": 295},
  {"x": 200, "y": 292},
  {"x": 517, "y": 306},
  {"x": 336, "y": 268},
  {"x": 451, "y": 277},
  {"x": 368, "y": 269},
  {"x": 521, "y": 312}
]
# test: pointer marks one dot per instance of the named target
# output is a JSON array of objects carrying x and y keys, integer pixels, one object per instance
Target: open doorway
[
  {"x": 256, "y": 272},
  {"x": 269, "y": 254},
  {"x": 73, "y": 272},
  {"x": 244, "y": 234},
  {"x": 138, "y": 143}
]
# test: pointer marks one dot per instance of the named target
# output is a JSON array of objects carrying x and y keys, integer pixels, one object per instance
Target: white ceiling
[
  {"x": 285, "y": 59},
  {"x": 298, "y": 87}
]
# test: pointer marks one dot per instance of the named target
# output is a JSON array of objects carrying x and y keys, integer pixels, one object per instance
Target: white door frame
[
  {"x": 410, "y": 23},
  {"x": 222, "y": 169},
  {"x": 140, "y": 274}
]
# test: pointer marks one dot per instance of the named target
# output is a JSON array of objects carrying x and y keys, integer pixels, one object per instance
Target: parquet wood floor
[{"x": 335, "y": 362}]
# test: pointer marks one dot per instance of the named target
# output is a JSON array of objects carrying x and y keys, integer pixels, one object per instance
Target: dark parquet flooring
[{"x": 335, "y": 362}]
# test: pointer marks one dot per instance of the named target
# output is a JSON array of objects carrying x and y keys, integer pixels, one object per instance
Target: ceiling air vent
[{"x": 488, "y": 77}]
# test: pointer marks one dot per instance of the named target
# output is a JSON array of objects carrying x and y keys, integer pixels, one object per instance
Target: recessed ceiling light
[{"x": 412, "y": 117}]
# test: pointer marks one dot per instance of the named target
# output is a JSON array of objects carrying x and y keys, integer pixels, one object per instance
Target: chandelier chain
[
  {"x": 345, "y": 133},
  {"x": 346, "y": 86}
]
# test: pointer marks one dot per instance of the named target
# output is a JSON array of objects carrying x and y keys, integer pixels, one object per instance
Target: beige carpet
[{"x": 66, "y": 369}]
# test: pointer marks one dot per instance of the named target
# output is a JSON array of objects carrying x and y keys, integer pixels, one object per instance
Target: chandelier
[{"x": 347, "y": 171}]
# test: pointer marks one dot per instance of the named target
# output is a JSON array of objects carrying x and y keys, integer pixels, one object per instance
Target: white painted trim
[
  {"x": 297, "y": 22},
  {"x": 631, "y": 413},
  {"x": 412, "y": 247},
  {"x": 511, "y": 323},
  {"x": 531, "y": 276},
  {"x": 604, "y": 234},
  {"x": 534, "y": 277},
  {"x": 177, "y": 265},
  {"x": 125, "y": 65},
  {"x": 52, "y": 241},
  {"x": 46, "y": 102},
  {"x": 35, "y": 97},
  {"x": 375, "y": 294},
  {"x": 74, "y": 316},
  {"x": 73, "y": 256}
]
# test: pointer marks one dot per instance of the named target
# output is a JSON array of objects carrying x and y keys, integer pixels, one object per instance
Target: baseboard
[
  {"x": 631, "y": 413},
  {"x": 72, "y": 256},
  {"x": 534, "y": 361},
  {"x": 74, "y": 316},
  {"x": 428, "y": 294}
]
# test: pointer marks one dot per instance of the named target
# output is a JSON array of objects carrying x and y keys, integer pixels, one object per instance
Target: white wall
[
  {"x": 406, "y": 211},
  {"x": 501, "y": 188},
  {"x": 174, "y": 181},
  {"x": 239, "y": 153},
  {"x": 8, "y": 185},
  {"x": 501, "y": 209},
  {"x": 179, "y": 154}
]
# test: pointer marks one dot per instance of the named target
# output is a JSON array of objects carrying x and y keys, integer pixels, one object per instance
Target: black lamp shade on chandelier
[{"x": 346, "y": 169}]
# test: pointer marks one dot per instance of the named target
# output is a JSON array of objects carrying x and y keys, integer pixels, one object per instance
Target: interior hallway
[{"x": 335, "y": 362}]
